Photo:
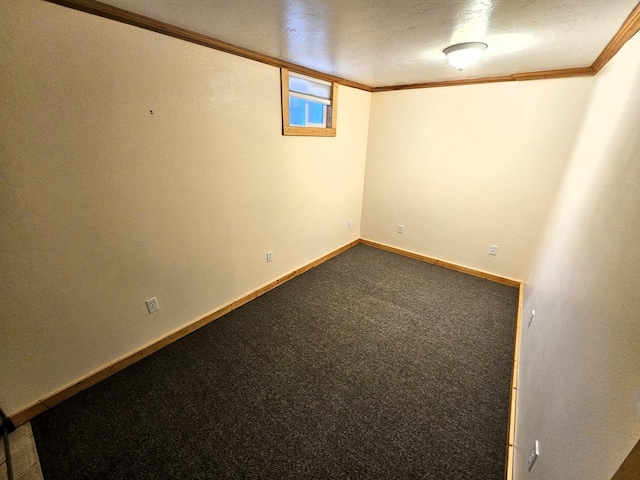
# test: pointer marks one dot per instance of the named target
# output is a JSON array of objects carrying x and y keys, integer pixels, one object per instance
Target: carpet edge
[{"x": 441, "y": 263}]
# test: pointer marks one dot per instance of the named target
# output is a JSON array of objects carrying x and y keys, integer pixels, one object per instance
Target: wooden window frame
[{"x": 332, "y": 114}]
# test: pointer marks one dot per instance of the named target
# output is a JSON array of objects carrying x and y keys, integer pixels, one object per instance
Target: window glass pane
[
  {"x": 316, "y": 113},
  {"x": 304, "y": 112},
  {"x": 296, "y": 111}
]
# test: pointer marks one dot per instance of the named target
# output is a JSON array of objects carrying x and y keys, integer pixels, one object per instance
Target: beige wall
[
  {"x": 105, "y": 205},
  {"x": 463, "y": 168},
  {"x": 579, "y": 384}
]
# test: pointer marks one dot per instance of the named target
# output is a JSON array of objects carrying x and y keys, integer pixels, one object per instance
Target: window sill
[{"x": 309, "y": 131}]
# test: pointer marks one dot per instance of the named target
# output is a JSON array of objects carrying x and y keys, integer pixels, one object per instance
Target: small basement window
[{"x": 309, "y": 105}]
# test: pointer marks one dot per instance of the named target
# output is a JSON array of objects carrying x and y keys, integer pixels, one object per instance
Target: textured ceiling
[{"x": 398, "y": 42}]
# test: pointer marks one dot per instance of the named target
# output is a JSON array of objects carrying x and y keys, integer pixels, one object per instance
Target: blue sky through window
[{"x": 305, "y": 112}]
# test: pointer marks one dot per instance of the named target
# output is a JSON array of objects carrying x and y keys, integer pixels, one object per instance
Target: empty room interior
[{"x": 154, "y": 179}]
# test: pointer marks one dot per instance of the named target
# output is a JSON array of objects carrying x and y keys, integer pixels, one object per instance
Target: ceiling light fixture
[{"x": 463, "y": 55}]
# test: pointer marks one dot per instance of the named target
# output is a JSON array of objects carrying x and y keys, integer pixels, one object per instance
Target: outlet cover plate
[{"x": 152, "y": 305}]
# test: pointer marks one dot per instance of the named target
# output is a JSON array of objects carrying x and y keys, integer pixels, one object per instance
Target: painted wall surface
[
  {"x": 464, "y": 168},
  {"x": 135, "y": 165},
  {"x": 579, "y": 376}
]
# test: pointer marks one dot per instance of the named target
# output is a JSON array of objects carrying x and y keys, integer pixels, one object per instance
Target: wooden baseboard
[
  {"x": 26, "y": 414},
  {"x": 451, "y": 266},
  {"x": 44, "y": 404},
  {"x": 514, "y": 389}
]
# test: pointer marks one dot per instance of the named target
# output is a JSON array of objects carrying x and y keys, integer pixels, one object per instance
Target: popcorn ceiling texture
[{"x": 382, "y": 43}]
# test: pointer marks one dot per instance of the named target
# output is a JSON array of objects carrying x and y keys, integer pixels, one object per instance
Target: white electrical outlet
[
  {"x": 533, "y": 456},
  {"x": 269, "y": 256},
  {"x": 493, "y": 250},
  {"x": 400, "y": 228},
  {"x": 533, "y": 314},
  {"x": 348, "y": 223},
  {"x": 153, "y": 305}
]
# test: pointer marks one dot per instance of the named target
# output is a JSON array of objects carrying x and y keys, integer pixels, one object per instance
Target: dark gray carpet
[{"x": 371, "y": 365}]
